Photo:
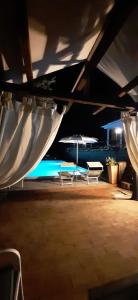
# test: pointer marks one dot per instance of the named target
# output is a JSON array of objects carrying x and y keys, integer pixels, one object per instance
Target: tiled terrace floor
[{"x": 70, "y": 239}]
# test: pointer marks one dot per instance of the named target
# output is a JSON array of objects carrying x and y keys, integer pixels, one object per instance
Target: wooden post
[
  {"x": 77, "y": 150},
  {"x": 120, "y": 140},
  {"x": 107, "y": 141},
  {"x": 135, "y": 187},
  {"x": 135, "y": 181}
]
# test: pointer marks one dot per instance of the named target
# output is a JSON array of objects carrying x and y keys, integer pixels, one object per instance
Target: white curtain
[
  {"x": 26, "y": 133},
  {"x": 120, "y": 62},
  {"x": 130, "y": 124}
]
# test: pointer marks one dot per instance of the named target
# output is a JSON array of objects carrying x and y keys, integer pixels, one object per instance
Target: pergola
[{"x": 39, "y": 38}]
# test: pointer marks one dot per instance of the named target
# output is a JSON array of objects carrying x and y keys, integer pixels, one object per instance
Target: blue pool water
[{"x": 50, "y": 168}]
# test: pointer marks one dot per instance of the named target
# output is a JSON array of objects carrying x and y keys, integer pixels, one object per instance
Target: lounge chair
[
  {"x": 95, "y": 169},
  {"x": 11, "y": 287},
  {"x": 66, "y": 176}
]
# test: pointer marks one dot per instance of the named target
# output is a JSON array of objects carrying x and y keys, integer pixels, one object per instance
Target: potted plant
[{"x": 112, "y": 167}]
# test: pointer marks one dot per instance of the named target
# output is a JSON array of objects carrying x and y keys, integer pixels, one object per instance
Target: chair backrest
[
  {"x": 65, "y": 174},
  {"x": 95, "y": 165},
  {"x": 67, "y": 164},
  {"x": 11, "y": 286},
  {"x": 94, "y": 173}
]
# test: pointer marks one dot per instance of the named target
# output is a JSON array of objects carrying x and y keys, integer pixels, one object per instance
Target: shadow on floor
[
  {"x": 124, "y": 289},
  {"x": 59, "y": 194}
]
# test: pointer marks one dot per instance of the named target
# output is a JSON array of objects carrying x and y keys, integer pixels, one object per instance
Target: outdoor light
[{"x": 118, "y": 130}]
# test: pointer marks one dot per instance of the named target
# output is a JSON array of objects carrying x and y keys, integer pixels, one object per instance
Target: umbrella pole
[{"x": 77, "y": 153}]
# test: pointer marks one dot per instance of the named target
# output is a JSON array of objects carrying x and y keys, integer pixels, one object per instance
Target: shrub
[{"x": 110, "y": 161}]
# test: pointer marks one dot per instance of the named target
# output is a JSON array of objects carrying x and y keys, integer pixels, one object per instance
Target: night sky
[{"x": 80, "y": 120}]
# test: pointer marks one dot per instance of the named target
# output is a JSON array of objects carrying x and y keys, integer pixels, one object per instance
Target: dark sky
[{"x": 80, "y": 120}]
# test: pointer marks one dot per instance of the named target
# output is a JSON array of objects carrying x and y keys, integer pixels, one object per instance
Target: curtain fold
[
  {"x": 26, "y": 133},
  {"x": 130, "y": 125},
  {"x": 120, "y": 60}
]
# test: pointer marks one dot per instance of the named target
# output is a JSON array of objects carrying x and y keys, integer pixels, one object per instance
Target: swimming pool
[{"x": 47, "y": 168}]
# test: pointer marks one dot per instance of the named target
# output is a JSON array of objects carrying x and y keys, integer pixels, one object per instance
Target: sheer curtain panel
[
  {"x": 130, "y": 125},
  {"x": 26, "y": 133}
]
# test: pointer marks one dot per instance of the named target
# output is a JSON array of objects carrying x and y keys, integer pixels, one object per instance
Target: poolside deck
[
  {"x": 54, "y": 183},
  {"x": 71, "y": 239}
]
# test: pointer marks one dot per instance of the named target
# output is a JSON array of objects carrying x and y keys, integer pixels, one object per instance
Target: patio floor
[{"x": 68, "y": 246}]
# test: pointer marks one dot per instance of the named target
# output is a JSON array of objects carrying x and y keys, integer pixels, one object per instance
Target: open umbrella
[{"x": 78, "y": 139}]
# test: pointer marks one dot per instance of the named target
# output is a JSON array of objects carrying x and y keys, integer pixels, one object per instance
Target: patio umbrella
[{"x": 78, "y": 139}]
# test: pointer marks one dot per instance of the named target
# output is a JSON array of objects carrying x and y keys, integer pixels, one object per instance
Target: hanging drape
[
  {"x": 120, "y": 62},
  {"x": 26, "y": 133},
  {"x": 130, "y": 124}
]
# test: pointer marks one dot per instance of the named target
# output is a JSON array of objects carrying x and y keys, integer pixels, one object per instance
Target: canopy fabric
[
  {"x": 94, "y": 164},
  {"x": 26, "y": 133},
  {"x": 130, "y": 124},
  {"x": 78, "y": 139},
  {"x": 61, "y": 33},
  {"x": 112, "y": 125},
  {"x": 120, "y": 62}
]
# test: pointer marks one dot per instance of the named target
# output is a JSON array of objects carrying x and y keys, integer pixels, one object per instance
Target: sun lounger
[
  {"x": 95, "y": 169},
  {"x": 66, "y": 176}
]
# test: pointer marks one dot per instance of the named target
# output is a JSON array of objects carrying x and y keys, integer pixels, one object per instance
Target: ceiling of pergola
[
  {"x": 39, "y": 37},
  {"x": 61, "y": 33}
]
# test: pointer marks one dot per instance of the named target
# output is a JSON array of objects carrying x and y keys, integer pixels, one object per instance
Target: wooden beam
[
  {"x": 99, "y": 110},
  {"x": 1, "y": 68},
  {"x": 113, "y": 23},
  {"x": 29, "y": 90},
  {"x": 23, "y": 32},
  {"x": 127, "y": 88}
]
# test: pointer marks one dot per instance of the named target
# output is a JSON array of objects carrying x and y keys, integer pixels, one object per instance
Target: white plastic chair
[{"x": 10, "y": 258}]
